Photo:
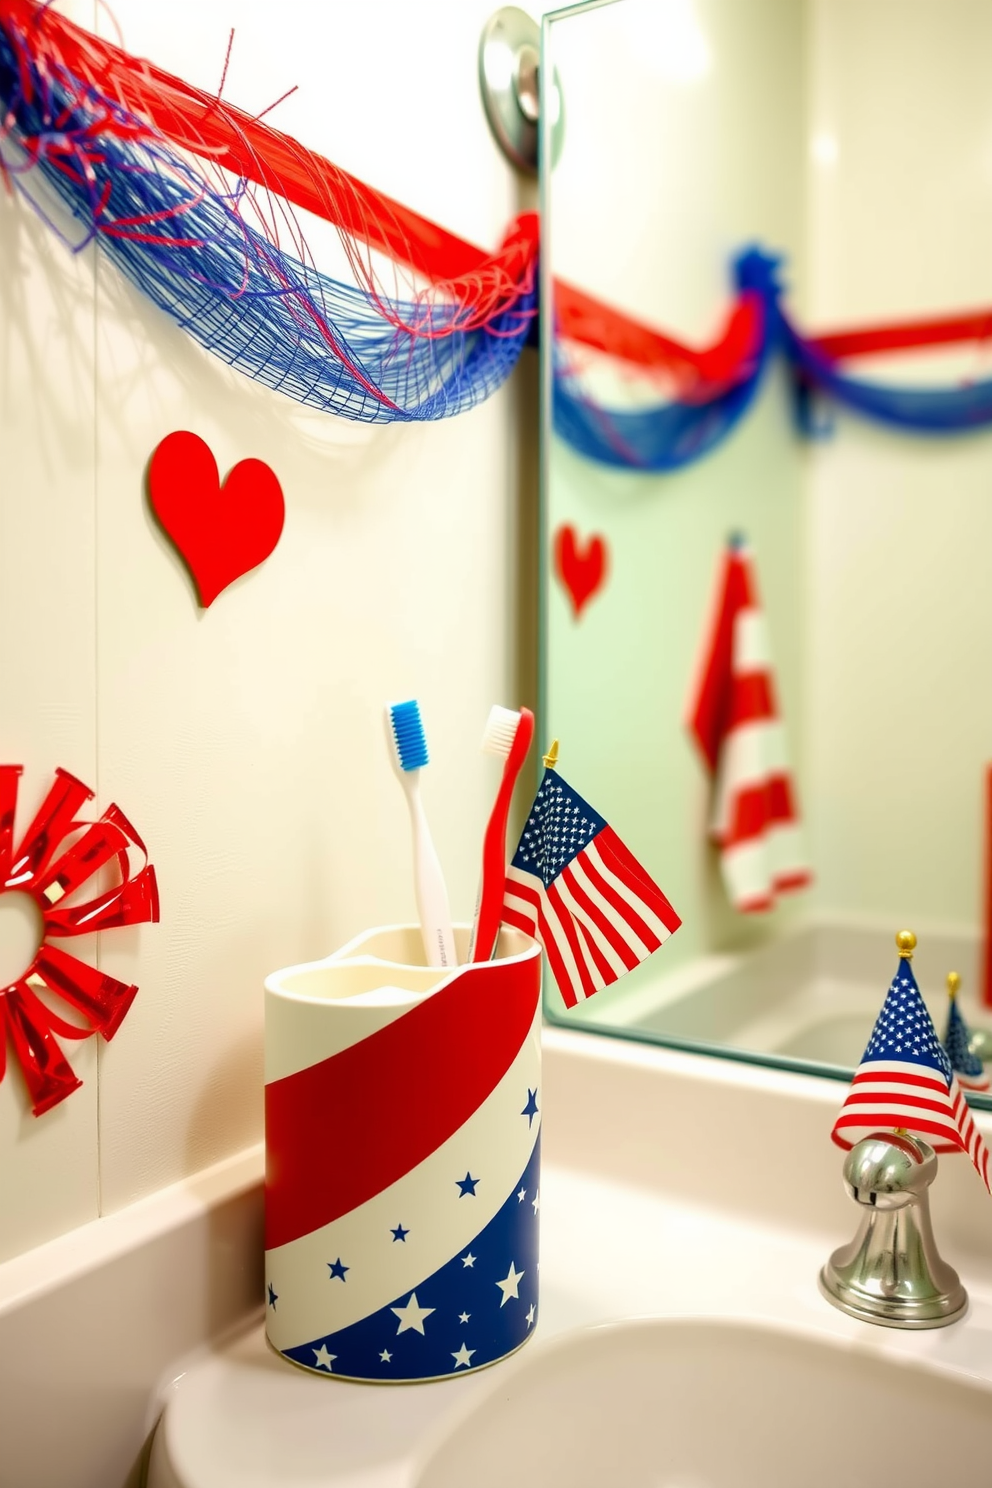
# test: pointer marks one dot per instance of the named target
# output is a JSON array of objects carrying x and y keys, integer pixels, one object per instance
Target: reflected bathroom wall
[
  {"x": 854, "y": 138},
  {"x": 900, "y": 536}
]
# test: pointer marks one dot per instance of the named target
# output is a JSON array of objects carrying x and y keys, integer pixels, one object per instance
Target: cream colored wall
[
  {"x": 670, "y": 164},
  {"x": 245, "y": 742},
  {"x": 899, "y": 612}
]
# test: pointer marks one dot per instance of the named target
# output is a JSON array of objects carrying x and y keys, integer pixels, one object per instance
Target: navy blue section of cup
[{"x": 480, "y": 1306}]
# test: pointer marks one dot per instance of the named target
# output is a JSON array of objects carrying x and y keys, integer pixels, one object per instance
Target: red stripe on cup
[{"x": 340, "y": 1131}]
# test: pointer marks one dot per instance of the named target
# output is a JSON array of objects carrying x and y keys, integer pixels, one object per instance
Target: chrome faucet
[{"x": 891, "y": 1272}]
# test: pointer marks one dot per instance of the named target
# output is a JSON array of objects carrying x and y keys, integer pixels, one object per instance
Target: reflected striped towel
[
  {"x": 905, "y": 1082},
  {"x": 734, "y": 720},
  {"x": 577, "y": 889}
]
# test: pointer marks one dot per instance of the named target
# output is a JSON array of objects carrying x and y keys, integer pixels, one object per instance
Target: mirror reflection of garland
[
  {"x": 715, "y": 388},
  {"x": 189, "y": 197}
]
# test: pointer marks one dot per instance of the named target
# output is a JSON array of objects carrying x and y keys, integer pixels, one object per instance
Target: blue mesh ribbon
[{"x": 918, "y": 410}]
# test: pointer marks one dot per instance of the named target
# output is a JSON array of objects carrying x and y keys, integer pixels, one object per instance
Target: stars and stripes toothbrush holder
[{"x": 402, "y": 1129}]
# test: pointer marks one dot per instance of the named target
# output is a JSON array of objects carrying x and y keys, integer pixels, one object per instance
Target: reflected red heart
[
  {"x": 581, "y": 568},
  {"x": 220, "y": 531}
]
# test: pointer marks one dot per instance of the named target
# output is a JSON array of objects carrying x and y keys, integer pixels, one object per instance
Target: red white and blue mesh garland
[
  {"x": 186, "y": 242},
  {"x": 713, "y": 394}
]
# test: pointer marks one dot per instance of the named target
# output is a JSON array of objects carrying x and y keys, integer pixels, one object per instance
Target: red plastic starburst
[{"x": 52, "y": 874}]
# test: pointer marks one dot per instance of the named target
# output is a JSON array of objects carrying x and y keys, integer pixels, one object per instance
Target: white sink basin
[{"x": 713, "y": 1403}]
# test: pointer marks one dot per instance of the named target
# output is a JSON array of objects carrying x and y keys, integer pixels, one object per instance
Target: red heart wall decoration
[
  {"x": 220, "y": 531},
  {"x": 582, "y": 569}
]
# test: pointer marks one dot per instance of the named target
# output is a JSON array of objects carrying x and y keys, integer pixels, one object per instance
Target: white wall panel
[
  {"x": 244, "y": 742},
  {"x": 48, "y": 1165}
]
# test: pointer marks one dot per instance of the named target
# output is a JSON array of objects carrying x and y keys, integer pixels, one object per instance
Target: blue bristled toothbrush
[{"x": 409, "y": 754}]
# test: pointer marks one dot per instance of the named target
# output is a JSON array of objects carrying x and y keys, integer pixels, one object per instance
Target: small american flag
[
  {"x": 577, "y": 889},
  {"x": 967, "y": 1067},
  {"x": 905, "y": 1082}
]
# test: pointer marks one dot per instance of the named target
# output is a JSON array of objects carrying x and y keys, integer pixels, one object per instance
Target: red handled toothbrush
[{"x": 507, "y": 734}]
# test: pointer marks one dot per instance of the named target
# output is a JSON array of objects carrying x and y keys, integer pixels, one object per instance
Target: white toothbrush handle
[{"x": 428, "y": 879}]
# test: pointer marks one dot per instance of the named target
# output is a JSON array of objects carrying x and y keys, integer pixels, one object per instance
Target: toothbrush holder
[{"x": 402, "y": 1132}]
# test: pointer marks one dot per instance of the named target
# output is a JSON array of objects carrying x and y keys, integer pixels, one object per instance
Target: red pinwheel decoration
[{"x": 52, "y": 878}]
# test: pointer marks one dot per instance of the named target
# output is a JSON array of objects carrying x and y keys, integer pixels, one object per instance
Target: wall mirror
[{"x": 850, "y": 141}]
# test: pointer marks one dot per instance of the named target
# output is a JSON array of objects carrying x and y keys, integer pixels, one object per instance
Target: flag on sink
[
  {"x": 905, "y": 1082},
  {"x": 734, "y": 719},
  {"x": 968, "y": 1068},
  {"x": 577, "y": 889}
]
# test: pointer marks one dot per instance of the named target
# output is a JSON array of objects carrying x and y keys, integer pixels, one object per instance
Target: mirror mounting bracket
[{"x": 509, "y": 75}]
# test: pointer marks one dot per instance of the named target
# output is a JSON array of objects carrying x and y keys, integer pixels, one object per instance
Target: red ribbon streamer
[
  {"x": 38, "y": 868},
  {"x": 976, "y": 325},
  {"x": 581, "y": 318}
]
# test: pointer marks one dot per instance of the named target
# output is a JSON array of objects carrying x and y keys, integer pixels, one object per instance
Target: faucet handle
[
  {"x": 889, "y": 1170},
  {"x": 891, "y": 1272}
]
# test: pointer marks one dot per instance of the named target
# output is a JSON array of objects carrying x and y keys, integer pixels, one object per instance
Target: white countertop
[{"x": 625, "y": 1245}]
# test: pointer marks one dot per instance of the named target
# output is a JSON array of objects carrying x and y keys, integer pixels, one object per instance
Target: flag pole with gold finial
[
  {"x": 906, "y": 944},
  {"x": 551, "y": 758}
]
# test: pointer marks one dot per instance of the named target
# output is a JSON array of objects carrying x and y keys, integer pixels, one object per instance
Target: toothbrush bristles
[
  {"x": 408, "y": 735},
  {"x": 501, "y": 730}
]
